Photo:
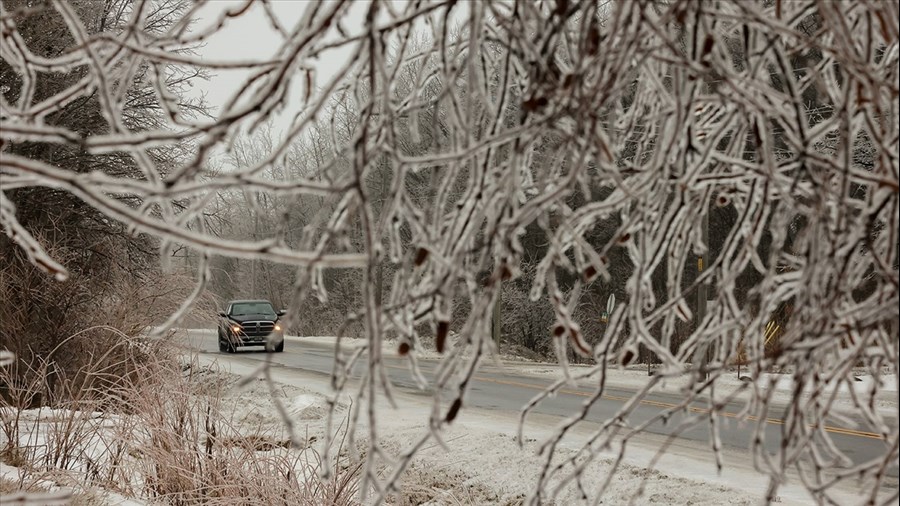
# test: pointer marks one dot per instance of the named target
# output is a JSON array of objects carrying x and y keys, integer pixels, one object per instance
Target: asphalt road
[{"x": 497, "y": 389}]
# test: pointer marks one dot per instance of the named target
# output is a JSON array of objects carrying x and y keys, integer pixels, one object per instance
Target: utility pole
[{"x": 253, "y": 260}]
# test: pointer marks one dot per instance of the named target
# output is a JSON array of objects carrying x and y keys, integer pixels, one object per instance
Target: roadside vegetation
[{"x": 169, "y": 432}]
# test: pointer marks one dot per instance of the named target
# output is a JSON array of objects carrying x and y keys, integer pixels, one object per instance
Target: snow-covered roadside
[
  {"x": 483, "y": 441},
  {"x": 62, "y": 455},
  {"x": 485, "y": 465},
  {"x": 61, "y": 495}
]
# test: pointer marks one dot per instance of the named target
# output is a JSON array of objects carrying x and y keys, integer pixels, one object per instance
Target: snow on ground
[{"x": 485, "y": 465}]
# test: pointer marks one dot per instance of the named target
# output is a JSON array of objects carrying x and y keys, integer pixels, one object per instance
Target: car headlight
[
  {"x": 236, "y": 328},
  {"x": 278, "y": 327}
]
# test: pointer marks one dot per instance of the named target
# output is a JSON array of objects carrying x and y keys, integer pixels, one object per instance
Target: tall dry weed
[{"x": 162, "y": 433}]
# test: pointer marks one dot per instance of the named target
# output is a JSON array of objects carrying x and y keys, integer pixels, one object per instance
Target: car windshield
[{"x": 246, "y": 308}]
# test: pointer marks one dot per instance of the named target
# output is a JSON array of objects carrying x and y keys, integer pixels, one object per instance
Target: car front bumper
[{"x": 256, "y": 334}]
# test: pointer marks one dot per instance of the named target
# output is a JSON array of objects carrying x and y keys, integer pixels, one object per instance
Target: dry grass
[{"x": 161, "y": 433}]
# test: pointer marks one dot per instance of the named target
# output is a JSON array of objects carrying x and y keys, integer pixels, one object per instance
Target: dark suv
[{"x": 249, "y": 323}]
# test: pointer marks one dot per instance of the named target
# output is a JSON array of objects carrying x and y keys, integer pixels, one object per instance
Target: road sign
[{"x": 610, "y": 304}]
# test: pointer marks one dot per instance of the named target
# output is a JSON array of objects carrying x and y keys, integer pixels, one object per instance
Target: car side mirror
[
  {"x": 282, "y": 312},
  {"x": 222, "y": 314}
]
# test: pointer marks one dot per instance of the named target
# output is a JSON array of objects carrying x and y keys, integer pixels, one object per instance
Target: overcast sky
[{"x": 251, "y": 36}]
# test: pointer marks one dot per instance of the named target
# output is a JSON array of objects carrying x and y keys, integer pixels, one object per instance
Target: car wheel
[
  {"x": 279, "y": 347},
  {"x": 224, "y": 345}
]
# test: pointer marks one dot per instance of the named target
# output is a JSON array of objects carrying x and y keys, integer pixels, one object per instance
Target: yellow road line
[{"x": 668, "y": 405}]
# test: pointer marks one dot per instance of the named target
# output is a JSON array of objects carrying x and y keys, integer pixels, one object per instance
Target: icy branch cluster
[{"x": 742, "y": 153}]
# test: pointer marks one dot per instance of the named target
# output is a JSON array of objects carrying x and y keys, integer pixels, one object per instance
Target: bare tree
[
  {"x": 112, "y": 271},
  {"x": 774, "y": 121}
]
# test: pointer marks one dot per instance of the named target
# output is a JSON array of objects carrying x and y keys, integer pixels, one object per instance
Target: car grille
[{"x": 257, "y": 329}]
